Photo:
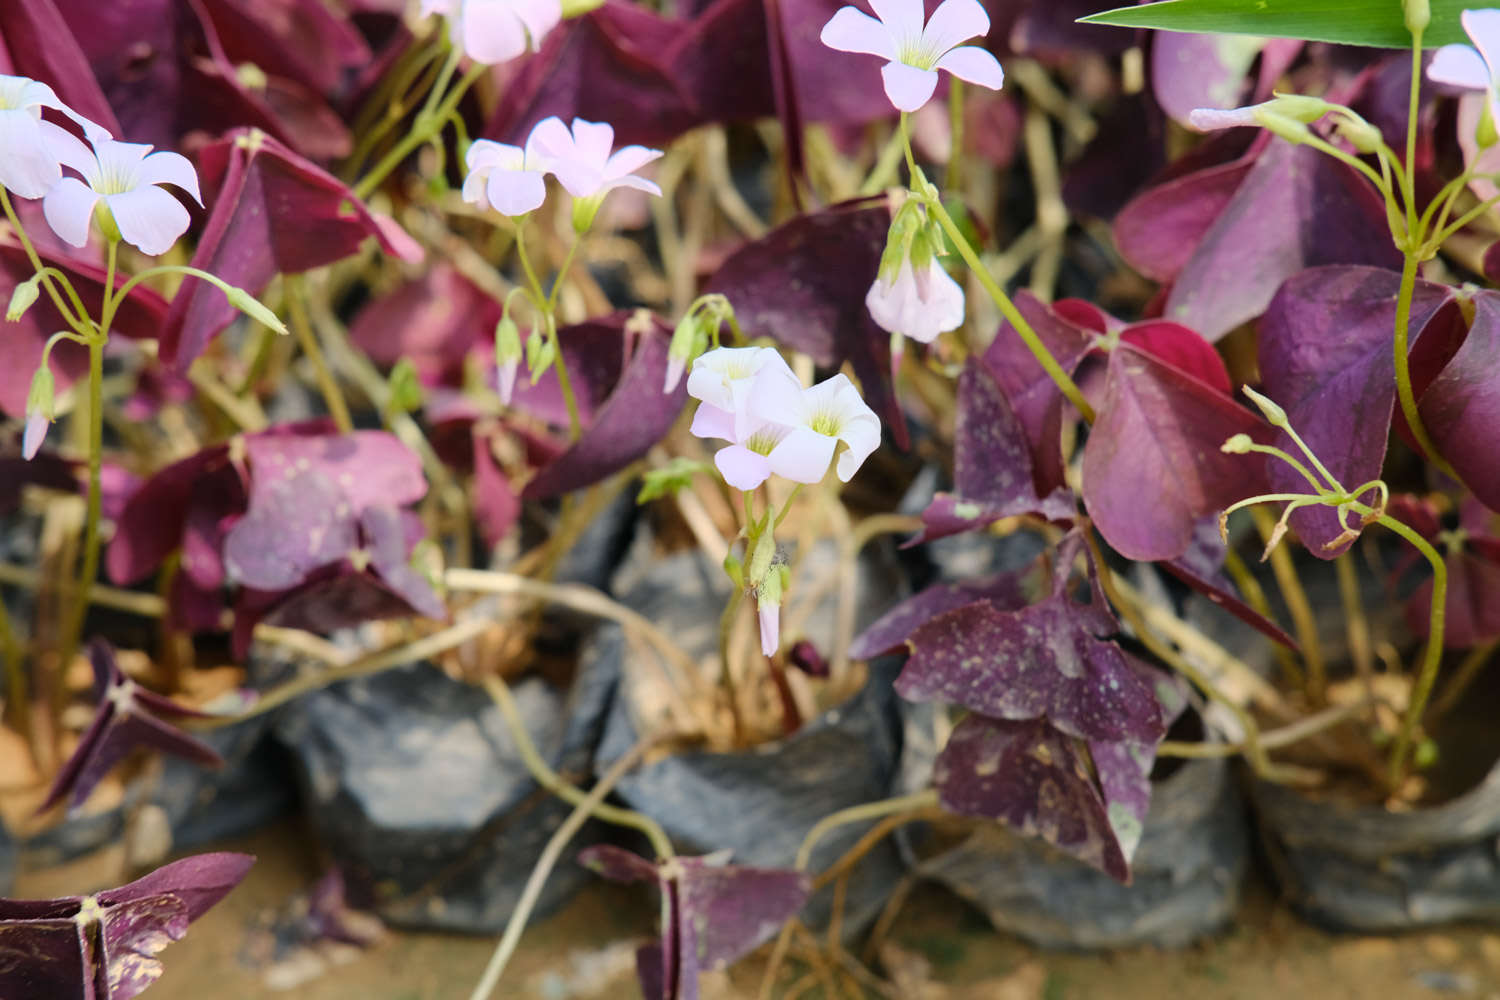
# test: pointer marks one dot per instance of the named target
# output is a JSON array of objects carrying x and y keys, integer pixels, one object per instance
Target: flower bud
[
  {"x": 1290, "y": 129},
  {"x": 507, "y": 356},
  {"x": 1275, "y": 414},
  {"x": 681, "y": 350},
  {"x": 23, "y": 298},
  {"x": 1363, "y": 136},
  {"x": 1418, "y": 15},
  {"x": 39, "y": 409},
  {"x": 1237, "y": 445},
  {"x": 1299, "y": 107},
  {"x": 1485, "y": 134},
  {"x": 761, "y": 558},
  {"x": 252, "y": 307},
  {"x": 541, "y": 351},
  {"x": 406, "y": 389}
]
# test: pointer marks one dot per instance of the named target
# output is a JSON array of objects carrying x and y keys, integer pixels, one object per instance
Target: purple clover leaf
[
  {"x": 127, "y": 716},
  {"x": 1461, "y": 407},
  {"x": 1004, "y": 591},
  {"x": 104, "y": 946},
  {"x": 713, "y": 913},
  {"x": 1471, "y": 556}
]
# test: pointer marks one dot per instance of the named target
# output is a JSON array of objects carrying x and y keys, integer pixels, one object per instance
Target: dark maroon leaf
[
  {"x": 610, "y": 65},
  {"x": 1121, "y": 157},
  {"x": 1472, "y": 609},
  {"x": 1034, "y": 779},
  {"x": 103, "y": 947},
  {"x": 1028, "y": 664},
  {"x": 434, "y": 321},
  {"x": 1325, "y": 355},
  {"x": 151, "y": 526},
  {"x": 126, "y": 718},
  {"x": 21, "y": 343},
  {"x": 1005, "y": 591},
  {"x": 497, "y": 508},
  {"x": 1152, "y": 465},
  {"x": 299, "y": 39},
  {"x": 1032, "y": 394},
  {"x": 634, "y": 417},
  {"x": 273, "y": 212},
  {"x": 1158, "y": 230},
  {"x": 992, "y": 466},
  {"x": 1053, "y": 30},
  {"x": 41, "y": 46},
  {"x": 1296, "y": 209},
  {"x": 1461, "y": 408},
  {"x": 1181, "y": 348},
  {"x": 1201, "y": 71},
  {"x": 782, "y": 285}
]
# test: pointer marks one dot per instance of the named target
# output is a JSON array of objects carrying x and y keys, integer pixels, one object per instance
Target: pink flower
[
  {"x": 582, "y": 159},
  {"x": 920, "y": 304},
  {"x": 914, "y": 52},
  {"x": 124, "y": 175},
  {"x": 36, "y": 431},
  {"x": 1475, "y": 67},
  {"x": 31, "y": 148},
  {"x": 496, "y": 31},
  {"x": 817, "y": 421},
  {"x": 509, "y": 179},
  {"x": 770, "y": 626}
]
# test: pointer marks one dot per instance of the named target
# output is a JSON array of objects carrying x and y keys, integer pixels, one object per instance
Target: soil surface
[{"x": 939, "y": 949}]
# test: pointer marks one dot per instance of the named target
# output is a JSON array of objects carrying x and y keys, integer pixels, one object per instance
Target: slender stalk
[
  {"x": 1404, "y": 391},
  {"x": 1432, "y": 658},
  {"x": 543, "y": 304},
  {"x": 587, "y": 807},
  {"x": 1413, "y": 106},
  {"x": 422, "y": 131},
  {"x": 1275, "y": 739},
  {"x": 877, "y": 833},
  {"x": 333, "y": 396},
  {"x": 1255, "y": 596},
  {"x": 1355, "y": 622},
  {"x": 953, "y": 175},
  {"x": 1039, "y": 351},
  {"x": 925, "y": 799},
  {"x": 1304, "y": 622},
  {"x": 445, "y": 77},
  {"x": 726, "y": 670},
  {"x": 75, "y": 317},
  {"x": 883, "y": 173}
]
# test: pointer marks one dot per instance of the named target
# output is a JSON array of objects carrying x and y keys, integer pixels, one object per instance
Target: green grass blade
[{"x": 1351, "y": 22}]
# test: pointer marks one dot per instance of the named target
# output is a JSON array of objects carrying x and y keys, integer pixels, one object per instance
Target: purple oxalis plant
[
  {"x": 713, "y": 913},
  {"x": 104, "y": 946}
]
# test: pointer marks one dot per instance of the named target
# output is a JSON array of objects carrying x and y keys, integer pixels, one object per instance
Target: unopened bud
[
  {"x": 1485, "y": 134},
  {"x": 1363, "y": 136},
  {"x": 405, "y": 387},
  {"x": 681, "y": 350},
  {"x": 1418, "y": 15},
  {"x": 1299, "y": 107},
  {"x": 252, "y": 307},
  {"x": 760, "y": 560},
  {"x": 1239, "y": 444},
  {"x": 1274, "y": 414},
  {"x": 1286, "y": 128},
  {"x": 23, "y": 298},
  {"x": 39, "y": 410}
]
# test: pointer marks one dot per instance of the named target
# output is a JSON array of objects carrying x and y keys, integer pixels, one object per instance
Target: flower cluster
[
  {"x": 119, "y": 185},
  {"x": 512, "y": 179},
  {"x": 751, "y": 398},
  {"x": 496, "y": 31}
]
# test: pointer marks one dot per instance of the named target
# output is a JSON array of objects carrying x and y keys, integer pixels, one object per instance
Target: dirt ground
[{"x": 942, "y": 951}]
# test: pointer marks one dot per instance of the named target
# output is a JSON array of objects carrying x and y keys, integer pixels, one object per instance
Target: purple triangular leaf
[
  {"x": 1461, "y": 408},
  {"x": 135, "y": 930},
  {"x": 199, "y": 881},
  {"x": 726, "y": 911},
  {"x": 781, "y": 285},
  {"x": 617, "y": 864},
  {"x": 123, "y": 721},
  {"x": 1029, "y": 664},
  {"x": 273, "y": 212},
  {"x": 1124, "y": 771},
  {"x": 43, "y": 957},
  {"x": 1034, "y": 779},
  {"x": 370, "y": 468},
  {"x": 634, "y": 418},
  {"x": 383, "y": 532},
  {"x": 1201, "y": 70},
  {"x": 1325, "y": 351},
  {"x": 1158, "y": 436},
  {"x": 295, "y": 525},
  {"x": 1296, "y": 209},
  {"x": 1005, "y": 591}
]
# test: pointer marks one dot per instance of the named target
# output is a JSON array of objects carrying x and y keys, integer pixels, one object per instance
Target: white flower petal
[
  {"x": 803, "y": 455},
  {"x": 165, "y": 167},
  {"x": 69, "y": 208},
  {"x": 977, "y": 66},
  {"x": 639, "y": 183},
  {"x": 1459, "y": 66},
  {"x": 149, "y": 218},
  {"x": 712, "y": 422},
  {"x": 516, "y": 192},
  {"x": 1483, "y": 28},
  {"x": 1213, "y": 119},
  {"x": 908, "y": 87},
  {"x": 36, "y": 432},
  {"x": 899, "y": 307},
  {"x": 904, "y": 18},
  {"x": 742, "y": 468},
  {"x": 487, "y": 154},
  {"x": 777, "y": 396},
  {"x": 627, "y": 160},
  {"x": 117, "y": 162},
  {"x": 770, "y": 627},
  {"x": 592, "y": 142},
  {"x": 953, "y": 22},
  {"x": 28, "y": 167},
  {"x": 539, "y": 17},
  {"x": 70, "y": 150},
  {"x": 850, "y": 30},
  {"x": 862, "y": 437},
  {"x": 491, "y": 31}
]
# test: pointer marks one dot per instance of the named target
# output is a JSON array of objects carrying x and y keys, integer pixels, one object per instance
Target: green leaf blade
[{"x": 1378, "y": 23}]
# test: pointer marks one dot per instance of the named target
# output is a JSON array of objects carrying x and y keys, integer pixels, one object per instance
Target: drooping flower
[
  {"x": 125, "y": 176},
  {"x": 919, "y": 303},
  {"x": 32, "y": 148},
  {"x": 818, "y": 419},
  {"x": 914, "y": 52},
  {"x": 509, "y": 179},
  {"x": 1475, "y": 67},
  {"x": 582, "y": 160},
  {"x": 770, "y": 626},
  {"x": 496, "y": 31}
]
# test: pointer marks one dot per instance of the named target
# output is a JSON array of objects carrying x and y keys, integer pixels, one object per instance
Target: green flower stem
[
  {"x": 590, "y": 805},
  {"x": 445, "y": 77},
  {"x": 371, "y": 124},
  {"x": 1432, "y": 657},
  {"x": 1404, "y": 391},
  {"x": 1413, "y": 105},
  {"x": 1443, "y": 200},
  {"x": 1323, "y": 146},
  {"x": 1255, "y": 595},
  {"x": 557, "y": 282},
  {"x": 423, "y": 130},
  {"x": 1463, "y": 220},
  {"x": 1033, "y": 343},
  {"x": 883, "y": 173},
  {"x": 543, "y": 303},
  {"x": 333, "y": 396},
  {"x": 77, "y": 317},
  {"x": 925, "y": 799},
  {"x": 953, "y": 175},
  {"x": 726, "y": 672},
  {"x": 74, "y": 631}
]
